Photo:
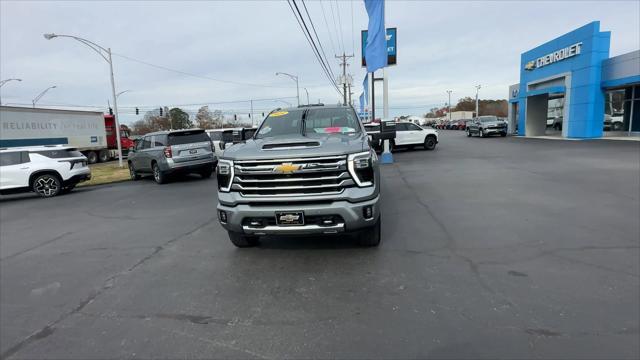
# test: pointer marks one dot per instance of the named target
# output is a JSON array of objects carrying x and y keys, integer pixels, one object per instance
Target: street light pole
[
  {"x": 477, "y": 108},
  {"x": 101, "y": 51},
  {"x": 35, "y": 100},
  {"x": 121, "y": 92},
  {"x": 449, "y": 109},
  {"x": 294, "y": 78},
  {"x": 2, "y": 82},
  {"x": 307, "y": 91}
]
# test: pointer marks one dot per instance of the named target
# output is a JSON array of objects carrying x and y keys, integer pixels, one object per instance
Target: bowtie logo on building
[{"x": 530, "y": 65}]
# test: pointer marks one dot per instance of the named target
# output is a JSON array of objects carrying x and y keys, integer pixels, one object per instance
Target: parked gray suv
[
  {"x": 164, "y": 153},
  {"x": 307, "y": 170}
]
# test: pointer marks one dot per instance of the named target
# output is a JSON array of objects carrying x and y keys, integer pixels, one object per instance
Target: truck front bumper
[{"x": 351, "y": 217}]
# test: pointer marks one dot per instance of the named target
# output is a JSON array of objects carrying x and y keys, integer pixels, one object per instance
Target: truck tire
[
  {"x": 206, "y": 173},
  {"x": 371, "y": 236},
  {"x": 47, "y": 185},
  {"x": 243, "y": 241},
  {"x": 158, "y": 175},
  {"x": 92, "y": 157},
  {"x": 103, "y": 156}
]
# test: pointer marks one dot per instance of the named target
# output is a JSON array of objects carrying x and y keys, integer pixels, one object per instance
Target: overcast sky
[{"x": 441, "y": 45}]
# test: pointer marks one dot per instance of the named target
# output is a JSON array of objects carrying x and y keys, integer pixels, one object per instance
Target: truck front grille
[{"x": 291, "y": 177}]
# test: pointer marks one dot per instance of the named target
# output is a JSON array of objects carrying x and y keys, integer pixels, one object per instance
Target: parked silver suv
[
  {"x": 307, "y": 170},
  {"x": 164, "y": 153}
]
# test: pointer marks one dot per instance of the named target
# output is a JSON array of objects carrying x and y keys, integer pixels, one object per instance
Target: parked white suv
[
  {"x": 409, "y": 135},
  {"x": 46, "y": 170}
]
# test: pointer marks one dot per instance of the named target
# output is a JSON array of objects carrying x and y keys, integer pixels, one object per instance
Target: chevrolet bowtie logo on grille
[
  {"x": 286, "y": 168},
  {"x": 289, "y": 218}
]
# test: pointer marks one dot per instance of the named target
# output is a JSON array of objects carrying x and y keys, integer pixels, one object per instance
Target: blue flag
[
  {"x": 362, "y": 102},
  {"x": 376, "y": 47},
  {"x": 365, "y": 86}
]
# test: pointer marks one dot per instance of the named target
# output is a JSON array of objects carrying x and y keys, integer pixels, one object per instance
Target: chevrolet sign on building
[
  {"x": 575, "y": 70},
  {"x": 562, "y": 54}
]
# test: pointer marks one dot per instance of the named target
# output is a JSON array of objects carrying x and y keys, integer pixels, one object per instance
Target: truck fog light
[
  {"x": 223, "y": 216},
  {"x": 367, "y": 212}
]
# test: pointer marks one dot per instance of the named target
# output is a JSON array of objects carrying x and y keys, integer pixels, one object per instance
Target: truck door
[{"x": 15, "y": 168}]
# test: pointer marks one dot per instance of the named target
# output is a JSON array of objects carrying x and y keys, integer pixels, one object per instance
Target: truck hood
[{"x": 296, "y": 146}]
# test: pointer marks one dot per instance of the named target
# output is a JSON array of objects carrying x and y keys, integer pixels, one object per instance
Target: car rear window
[
  {"x": 59, "y": 154},
  {"x": 188, "y": 137}
]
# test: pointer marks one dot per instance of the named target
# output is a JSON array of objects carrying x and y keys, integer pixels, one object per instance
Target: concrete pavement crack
[
  {"x": 107, "y": 284},
  {"x": 37, "y": 246}
]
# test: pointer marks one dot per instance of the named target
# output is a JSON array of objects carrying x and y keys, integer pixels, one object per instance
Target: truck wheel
[
  {"x": 371, "y": 236},
  {"x": 103, "y": 156},
  {"x": 92, "y": 157},
  {"x": 47, "y": 185},
  {"x": 243, "y": 241},
  {"x": 132, "y": 173},
  {"x": 158, "y": 175},
  {"x": 429, "y": 142},
  {"x": 206, "y": 173},
  {"x": 617, "y": 126}
]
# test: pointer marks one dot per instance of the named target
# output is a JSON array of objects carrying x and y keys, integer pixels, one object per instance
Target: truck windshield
[
  {"x": 331, "y": 121},
  {"x": 284, "y": 122},
  {"x": 488, "y": 118}
]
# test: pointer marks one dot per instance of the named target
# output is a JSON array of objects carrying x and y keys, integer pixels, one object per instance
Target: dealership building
[{"x": 570, "y": 87}]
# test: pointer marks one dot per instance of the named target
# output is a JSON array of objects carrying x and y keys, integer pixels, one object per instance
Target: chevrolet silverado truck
[{"x": 307, "y": 171}]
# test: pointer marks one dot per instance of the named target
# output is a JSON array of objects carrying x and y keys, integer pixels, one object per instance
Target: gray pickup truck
[{"x": 307, "y": 171}]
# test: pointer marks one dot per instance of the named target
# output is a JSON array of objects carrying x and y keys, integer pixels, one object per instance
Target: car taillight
[{"x": 167, "y": 152}]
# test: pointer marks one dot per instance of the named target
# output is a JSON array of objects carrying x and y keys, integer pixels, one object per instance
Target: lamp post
[
  {"x": 449, "y": 108},
  {"x": 307, "y": 91},
  {"x": 35, "y": 100},
  {"x": 106, "y": 55},
  {"x": 121, "y": 92},
  {"x": 2, "y": 82},
  {"x": 477, "y": 108},
  {"x": 294, "y": 78}
]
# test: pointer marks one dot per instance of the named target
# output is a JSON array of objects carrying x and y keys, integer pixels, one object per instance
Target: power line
[
  {"x": 314, "y": 48},
  {"x": 317, "y": 38},
  {"x": 353, "y": 33},
  {"x": 335, "y": 25},
  {"x": 328, "y": 29},
  {"x": 199, "y": 76},
  {"x": 340, "y": 23}
]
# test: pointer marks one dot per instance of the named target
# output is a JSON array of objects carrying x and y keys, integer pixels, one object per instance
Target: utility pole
[
  {"x": 344, "y": 74},
  {"x": 477, "y": 108},
  {"x": 449, "y": 108}
]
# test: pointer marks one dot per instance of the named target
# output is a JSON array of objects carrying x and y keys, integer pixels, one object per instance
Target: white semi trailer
[{"x": 92, "y": 132}]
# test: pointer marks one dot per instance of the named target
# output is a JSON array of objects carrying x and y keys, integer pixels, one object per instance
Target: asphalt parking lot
[{"x": 498, "y": 247}]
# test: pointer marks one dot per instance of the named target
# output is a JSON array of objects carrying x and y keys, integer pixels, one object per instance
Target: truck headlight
[
  {"x": 224, "y": 173},
  {"x": 360, "y": 167}
]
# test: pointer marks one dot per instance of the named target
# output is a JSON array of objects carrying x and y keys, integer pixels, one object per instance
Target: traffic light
[
  {"x": 160, "y": 111},
  {"x": 249, "y": 116},
  {"x": 137, "y": 111},
  {"x": 235, "y": 117},
  {"x": 110, "y": 111},
  {"x": 262, "y": 114}
]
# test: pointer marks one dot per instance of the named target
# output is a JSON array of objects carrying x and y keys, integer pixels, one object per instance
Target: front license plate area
[{"x": 290, "y": 218}]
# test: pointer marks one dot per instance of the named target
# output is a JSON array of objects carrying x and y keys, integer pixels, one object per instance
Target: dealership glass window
[{"x": 616, "y": 110}]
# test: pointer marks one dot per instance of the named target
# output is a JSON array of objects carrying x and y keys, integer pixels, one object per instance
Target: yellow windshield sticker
[{"x": 278, "y": 113}]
